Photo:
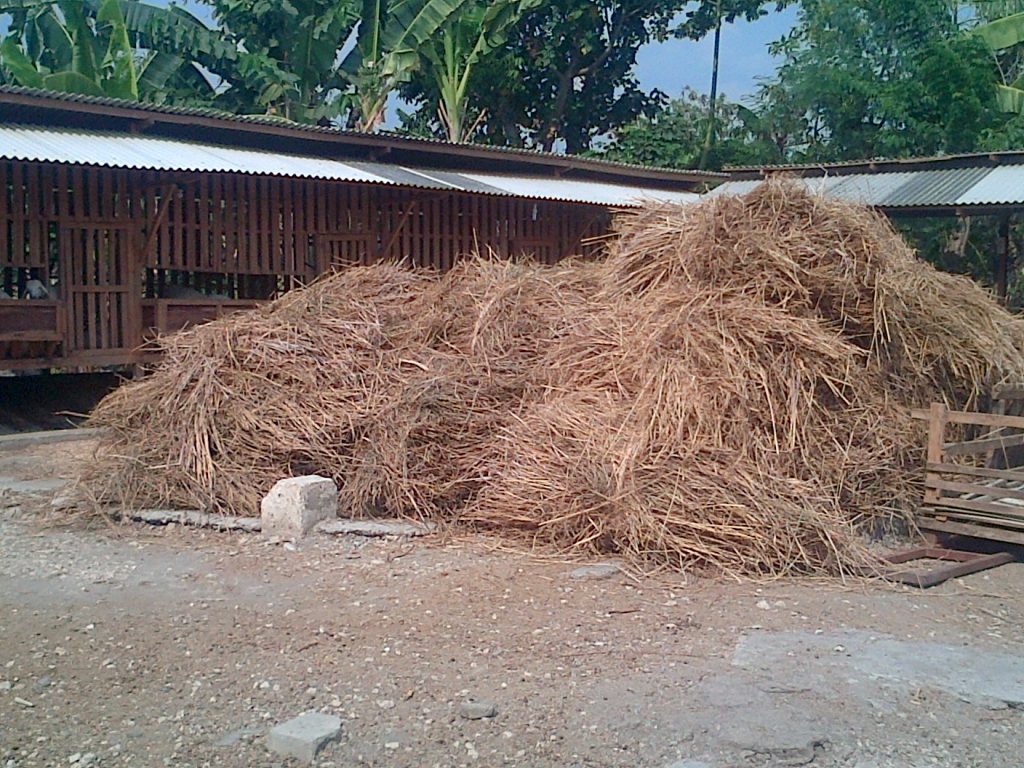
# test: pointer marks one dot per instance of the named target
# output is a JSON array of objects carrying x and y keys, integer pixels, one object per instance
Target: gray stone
[
  {"x": 42, "y": 683},
  {"x": 689, "y": 764},
  {"x": 478, "y": 710},
  {"x": 296, "y": 504},
  {"x": 375, "y": 528},
  {"x": 597, "y": 571},
  {"x": 304, "y": 736}
]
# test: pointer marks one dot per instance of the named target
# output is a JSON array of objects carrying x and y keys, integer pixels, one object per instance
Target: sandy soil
[{"x": 175, "y": 647}]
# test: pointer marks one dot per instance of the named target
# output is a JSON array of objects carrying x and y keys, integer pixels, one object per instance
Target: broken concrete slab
[
  {"x": 376, "y": 528},
  {"x": 32, "y": 487},
  {"x": 304, "y": 736},
  {"x": 905, "y": 665},
  {"x": 598, "y": 571},
  {"x": 195, "y": 518},
  {"x": 24, "y": 439},
  {"x": 296, "y": 504}
]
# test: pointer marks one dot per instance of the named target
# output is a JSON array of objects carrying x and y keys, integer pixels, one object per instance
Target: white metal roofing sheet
[
  {"x": 932, "y": 188},
  {"x": 144, "y": 152},
  {"x": 115, "y": 150},
  {"x": 1001, "y": 185},
  {"x": 867, "y": 188},
  {"x": 570, "y": 190}
]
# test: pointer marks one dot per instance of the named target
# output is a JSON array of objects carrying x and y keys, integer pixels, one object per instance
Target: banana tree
[
  {"x": 288, "y": 56},
  {"x": 1002, "y": 35},
  {"x": 451, "y": 61},
  {"x": 388, "y": 49},
  {"x": 90, "y": 47}
]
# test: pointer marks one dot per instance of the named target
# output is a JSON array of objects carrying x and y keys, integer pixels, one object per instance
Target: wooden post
[
  {"x": 1002, "y": 256},
  {"x": 938, "y": 416}
]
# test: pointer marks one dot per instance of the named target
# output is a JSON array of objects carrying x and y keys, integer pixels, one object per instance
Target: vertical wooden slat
[
  {"x": 205, "y": 255},
  {"x": 937, "y": 420},
  {"x": 18, "y": 210},
  {"x": 216, "y": 209},
  {"x": 288, "y": 224},
  {"x": 5, "y": 213}
]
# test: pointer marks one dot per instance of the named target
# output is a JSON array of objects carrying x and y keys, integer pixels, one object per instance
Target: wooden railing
[
  {"x": 160, "y": 316},
  {"x": 974, "y": 486}
]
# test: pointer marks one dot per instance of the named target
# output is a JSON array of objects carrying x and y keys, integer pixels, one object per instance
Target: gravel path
[{"x": 147, "y": 646}]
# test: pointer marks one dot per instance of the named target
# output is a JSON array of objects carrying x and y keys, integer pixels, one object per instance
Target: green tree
[
  {"x": 566, "y": 74},
  {"x": 288, "y": 53},
  {"x": 390, "y": 46},
  {"x": 675, "y": 136},
  {"x": 451, "y": 62},
  {"x": 710, "y": 16},
  {"x": 881, "y": 78},
  {"x": 106, "y": 48}
]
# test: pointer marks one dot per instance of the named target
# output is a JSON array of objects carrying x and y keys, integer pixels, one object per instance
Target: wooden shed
[{"x": 121, "y": 220}]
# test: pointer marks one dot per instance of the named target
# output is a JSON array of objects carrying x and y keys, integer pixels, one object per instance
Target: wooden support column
[
  {"x": 938, "y": 417},
  {"x": 1002, "y": 268}
]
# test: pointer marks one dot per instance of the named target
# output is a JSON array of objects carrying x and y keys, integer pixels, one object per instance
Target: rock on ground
[
  {"x": 296, "y": 504},
  {"x": 304, "y": 736}
]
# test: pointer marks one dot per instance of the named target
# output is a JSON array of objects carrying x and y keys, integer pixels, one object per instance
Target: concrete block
[
  {"x": 304, "y": 736},
  {"x": 296, "y": 504}
]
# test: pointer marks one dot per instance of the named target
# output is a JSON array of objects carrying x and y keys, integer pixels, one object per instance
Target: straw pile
[{"x": 728, "y": 389}]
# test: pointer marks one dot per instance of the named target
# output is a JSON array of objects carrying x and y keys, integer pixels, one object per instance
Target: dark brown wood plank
[{"x": 929, "y": 523}]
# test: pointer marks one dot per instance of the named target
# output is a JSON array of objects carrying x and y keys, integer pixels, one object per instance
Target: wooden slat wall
[
  {"x": 273, "y": 226},
  {"x": 242, "y": 234},
  {"x": 270, "y": 226}
]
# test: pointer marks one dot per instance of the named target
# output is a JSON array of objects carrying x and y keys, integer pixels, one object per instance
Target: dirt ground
[{"x": 143, "y": 646}]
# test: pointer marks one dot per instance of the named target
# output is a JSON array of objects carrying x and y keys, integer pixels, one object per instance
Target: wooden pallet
[{"x": 972, "y": 487}]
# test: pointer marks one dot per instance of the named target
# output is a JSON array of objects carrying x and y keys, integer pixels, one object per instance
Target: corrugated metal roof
[
  {"x": 1003, "y": 185},
  {"x": 942, "y": 188},
  {"x": 612, "y": 195},
  {"x": 116, "y": 150},
  {"x": 300, "y": 128},
  {"x": 863, "y": 187}
]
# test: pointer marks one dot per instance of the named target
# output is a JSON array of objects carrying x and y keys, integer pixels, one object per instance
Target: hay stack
[{"x": 727, "y": 390}]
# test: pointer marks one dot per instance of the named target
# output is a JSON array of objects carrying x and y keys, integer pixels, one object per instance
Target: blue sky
[{"x": 675, "y": 64}]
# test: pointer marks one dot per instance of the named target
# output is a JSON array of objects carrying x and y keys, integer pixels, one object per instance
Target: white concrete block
[
  {"x": 296, "y": 504},
  {"x": 304, "y": 736}
]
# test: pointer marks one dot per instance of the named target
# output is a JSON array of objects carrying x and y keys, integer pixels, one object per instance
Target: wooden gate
[{"x": 101, "y": 289}]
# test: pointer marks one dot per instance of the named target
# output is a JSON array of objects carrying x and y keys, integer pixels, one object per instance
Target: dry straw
[{"x": 727, "y": 390}]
